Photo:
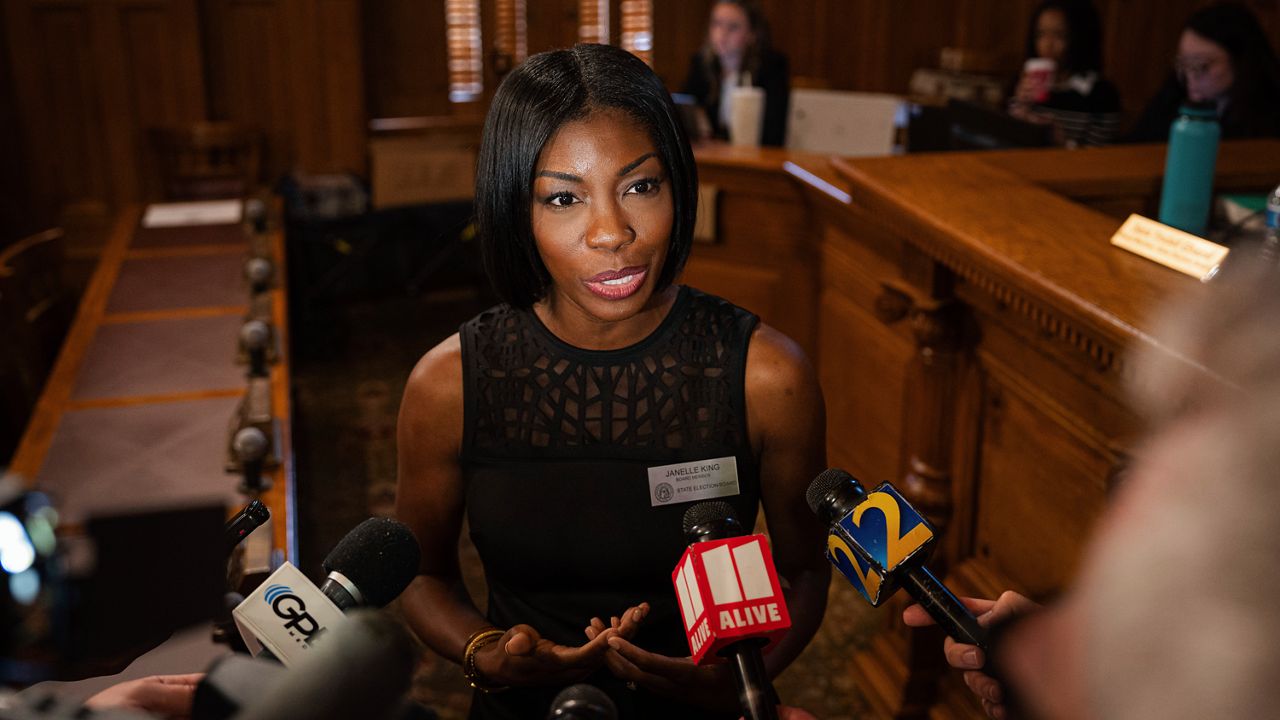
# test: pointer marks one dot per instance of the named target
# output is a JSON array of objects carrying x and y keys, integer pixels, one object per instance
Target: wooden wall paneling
[
  {"x": 247, "y": 74},
  {"x": 1035, "y": 464},
  {"x": 336, "y": 53},
  {"x": 679, "y": 29},
  {"x": 162, "y": 82},
  {"x": 293, "y": 69},
  {"x": 405, "y": 62},
  {"x": 90, "y": 78},
  {"x": 552, "y": 24},
  {"x": 61, "y": 112},
  {"x": 864, "y": 390},
  {"x": 17, "y": 216}
]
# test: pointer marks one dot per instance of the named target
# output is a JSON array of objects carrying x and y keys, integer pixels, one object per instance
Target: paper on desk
[{"x": 209, "y": 212}]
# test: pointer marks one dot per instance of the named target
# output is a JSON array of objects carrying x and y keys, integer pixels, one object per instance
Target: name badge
[{"x": 693, "y": 481}]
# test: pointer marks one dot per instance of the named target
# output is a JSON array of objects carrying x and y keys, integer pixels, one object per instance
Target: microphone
[
  {"x": 731, "y": 602},
  {"x": 372, "y": 565},
  {"x": 362, "y": 671},
  {"x": 258, "y": 271},
  {"x": 247, "y": 520},
  {"x": 250, "y": 446},
  {"x": 255, "y": 339},
  {"x": 255, "y": 211},
  {"x": 287, "y": 614},
  {"x": 582, "y": 702},
  {"x": 880, "y": 552}
]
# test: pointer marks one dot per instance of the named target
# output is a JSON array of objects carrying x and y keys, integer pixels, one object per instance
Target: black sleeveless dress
[{"x": 557, "y": 450}]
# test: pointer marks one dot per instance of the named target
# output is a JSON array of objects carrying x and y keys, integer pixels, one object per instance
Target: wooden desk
[
  {"x": 136, "y": 410},
  {"x": 970, "y": 323}
]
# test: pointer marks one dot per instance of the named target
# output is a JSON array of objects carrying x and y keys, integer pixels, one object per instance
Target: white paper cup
[{"x": 746, "y": 114}]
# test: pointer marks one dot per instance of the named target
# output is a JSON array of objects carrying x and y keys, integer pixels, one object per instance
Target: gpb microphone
[
  {"x": 582, "y": 702},
  {"x": 287, "y": 615},
  {"x": 372, "y": 565},
  {"x": 731, "y": 602},
  {"x": 878, "y": 552}
]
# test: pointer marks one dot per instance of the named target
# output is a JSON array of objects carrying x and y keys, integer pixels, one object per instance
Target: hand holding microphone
[{"x": 972, "y": 659}]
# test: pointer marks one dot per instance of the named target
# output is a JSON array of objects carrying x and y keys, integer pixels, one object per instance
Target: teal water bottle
[{"x": 1188, "y": 168}]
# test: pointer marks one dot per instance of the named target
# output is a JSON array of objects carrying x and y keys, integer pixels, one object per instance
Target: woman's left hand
[{"x": 708, "y": 686}]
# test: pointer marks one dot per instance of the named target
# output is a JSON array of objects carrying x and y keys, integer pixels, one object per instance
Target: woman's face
[
  {"x": 1204, "y": 67},
  {"x": 602, "y": 216},
  {"x": 730, "y": 33},
  {"x": 1052, "y": 35}
]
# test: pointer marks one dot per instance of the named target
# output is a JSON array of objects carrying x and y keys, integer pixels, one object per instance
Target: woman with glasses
[{"x": 1223, "y": 58}]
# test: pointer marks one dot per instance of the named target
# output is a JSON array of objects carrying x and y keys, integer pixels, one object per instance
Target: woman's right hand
[{"x": 522, "y": 657}]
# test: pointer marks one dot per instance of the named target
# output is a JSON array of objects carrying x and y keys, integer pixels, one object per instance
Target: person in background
[
  {"x": 1223, "y": 58},
  {"x": 1173, "y": 614},
  {"x": 737, "y": 52},
  {"x": 1083, "y": 107},
  {"x": 559, "y": 423}
]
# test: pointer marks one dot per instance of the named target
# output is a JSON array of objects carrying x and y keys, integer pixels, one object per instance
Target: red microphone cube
[{"x": 729, "y": 591}]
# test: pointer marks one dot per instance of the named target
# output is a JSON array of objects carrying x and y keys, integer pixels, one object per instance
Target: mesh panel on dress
[{"x": 671, "y": 391}]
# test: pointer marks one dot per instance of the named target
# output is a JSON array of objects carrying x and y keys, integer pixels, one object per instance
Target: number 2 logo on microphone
[{"x": 868, "y": 547}]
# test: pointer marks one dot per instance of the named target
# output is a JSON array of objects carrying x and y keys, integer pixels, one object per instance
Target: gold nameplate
[{"x": 1170, "y": 247}]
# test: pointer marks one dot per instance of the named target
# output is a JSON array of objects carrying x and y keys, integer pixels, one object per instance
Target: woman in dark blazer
[{"x": 737, "y": 52}]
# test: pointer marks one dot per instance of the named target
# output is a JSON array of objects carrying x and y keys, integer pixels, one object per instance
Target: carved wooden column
[{"x": 935, "y": 321}]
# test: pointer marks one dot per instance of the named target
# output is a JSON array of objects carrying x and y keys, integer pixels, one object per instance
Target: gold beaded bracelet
[{"x": 480, "y": 638}]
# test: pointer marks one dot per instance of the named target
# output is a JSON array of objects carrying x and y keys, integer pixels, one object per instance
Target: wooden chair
[
  {"x": 35, "y": 311},
  {"x": 208, "y": 160}
]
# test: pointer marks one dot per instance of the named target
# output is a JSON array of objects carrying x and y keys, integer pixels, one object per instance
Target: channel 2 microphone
[
  {"x": 372, "y": 565},
  {"x": 582, "y": 702},
  {"x": 731, "y": 602},
  {"x": 880, "y": 551}
]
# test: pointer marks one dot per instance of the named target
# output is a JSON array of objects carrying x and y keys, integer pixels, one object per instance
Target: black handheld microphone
[
  {"x": 582, "y": 702},
  {"x": 705, "y": 522},
  {"x": 372, "y": 565},
  {"x": 246, "y": 521},
  {"x": 879, "y": 552}
]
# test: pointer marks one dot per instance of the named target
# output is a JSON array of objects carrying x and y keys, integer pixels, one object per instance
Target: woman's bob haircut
[{"x": 532, "y": 103}]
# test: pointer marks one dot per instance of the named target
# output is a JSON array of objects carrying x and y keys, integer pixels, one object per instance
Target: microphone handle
[
  {"x": 943, "y": 606},
  {"x": 333, "y": 590},
  {"x": 756, "y": 695}
]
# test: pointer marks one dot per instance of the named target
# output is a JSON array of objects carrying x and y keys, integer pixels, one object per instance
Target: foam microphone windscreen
[{"x": 380, "y": 557}]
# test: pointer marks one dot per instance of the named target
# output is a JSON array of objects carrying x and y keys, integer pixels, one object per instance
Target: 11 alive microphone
[
  {"x": 287, "y": 614},
  {"x": 882, "y": 551},
  {"x": 731, "y": 602}
]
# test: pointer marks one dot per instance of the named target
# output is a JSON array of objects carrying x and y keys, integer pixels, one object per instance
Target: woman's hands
[
  {"x": 671, "y": 677},
  {"x": 523, "y": 657},
  {"x": 708, "y": 686}
]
